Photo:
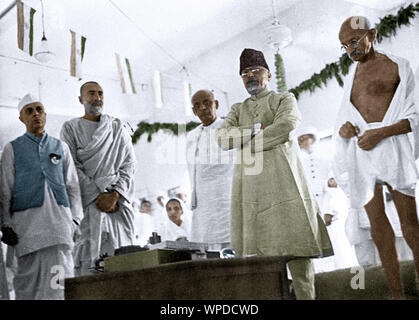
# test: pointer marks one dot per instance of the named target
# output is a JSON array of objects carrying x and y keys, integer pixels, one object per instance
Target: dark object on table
[
  {"x": 129, "y": 249},
  {"x": 155, "y": 238}
]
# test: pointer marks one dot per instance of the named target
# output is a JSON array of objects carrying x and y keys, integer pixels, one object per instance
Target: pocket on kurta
[{"x": 284, "y": 229}]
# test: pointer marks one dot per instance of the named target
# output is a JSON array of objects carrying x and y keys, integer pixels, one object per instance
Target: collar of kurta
[
  {"x": 261, "y": 94},
  {"x": 210, "y": 125},
  {"x": 35, "y": 138}
]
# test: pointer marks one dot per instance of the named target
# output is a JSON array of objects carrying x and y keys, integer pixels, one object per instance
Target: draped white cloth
[
  {"x": 104, "y": 161},
  {"x": 392, "y": 160},
  {"x": 211, "y": 174}
]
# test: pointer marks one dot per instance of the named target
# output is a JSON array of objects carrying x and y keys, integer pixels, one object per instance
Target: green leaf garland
[
  {"x": 386, "y": 28},
  {"x": 280, "y": 74},
  {"x": 150, "y": 129}
]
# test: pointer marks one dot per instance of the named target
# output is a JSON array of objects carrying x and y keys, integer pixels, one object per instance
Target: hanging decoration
[
  {"x": 78, "y": 44},
  {"x": 157, "y": 87},
  {"x": 125, "y": 74},
  {"x": 281, "y": 85},
  {"x": 150, "y": 129},
  {"x": 386, "y": 28},
  {"x": 187, "y": 95},
  {"x": 25, "y": 15}
]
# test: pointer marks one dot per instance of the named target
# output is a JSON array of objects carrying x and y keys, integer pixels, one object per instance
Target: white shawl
[{"x": 106, "y": 160}]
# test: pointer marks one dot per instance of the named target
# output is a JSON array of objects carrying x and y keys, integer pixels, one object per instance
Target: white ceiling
[{"x": 167, "y": 34}]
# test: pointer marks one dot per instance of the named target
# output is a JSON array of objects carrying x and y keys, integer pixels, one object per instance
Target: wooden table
[{"x": 252, "y": 278}]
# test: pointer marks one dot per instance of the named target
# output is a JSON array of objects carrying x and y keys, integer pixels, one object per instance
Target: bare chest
[{"x": 373, "y": 89}]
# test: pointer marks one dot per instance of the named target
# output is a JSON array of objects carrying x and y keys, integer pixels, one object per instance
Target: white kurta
[
  {"x": 392, "y": 160},
  {"x": 331, "y": 201},
  {"x": 316, "y": 169},
  {"x": 105, "y": 159},
  {"x": 211, "y": 173}
]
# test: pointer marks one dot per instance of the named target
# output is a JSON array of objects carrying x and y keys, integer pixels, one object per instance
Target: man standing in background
[
  {"x": 331, "y": 200},
  {"x": 211, "y": 174}
]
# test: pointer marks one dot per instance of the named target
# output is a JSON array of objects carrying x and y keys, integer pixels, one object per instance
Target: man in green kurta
[{"x": 273, "y": 211}]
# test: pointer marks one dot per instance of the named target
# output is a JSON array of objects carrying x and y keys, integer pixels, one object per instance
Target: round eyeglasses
[{"x": 353, "y": 44}]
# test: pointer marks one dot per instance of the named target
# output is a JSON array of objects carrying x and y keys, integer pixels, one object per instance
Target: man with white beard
[{"x": 104, "y": 157}]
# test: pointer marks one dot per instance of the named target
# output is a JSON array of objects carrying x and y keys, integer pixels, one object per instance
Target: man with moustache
[
  {"x": 373, "y": 147},
  {"x": 273, "y": 212},
  {"x": 211, "y": 175},
  {"x": 104, "y": 157},
  {"x": 40, "y": 198}
]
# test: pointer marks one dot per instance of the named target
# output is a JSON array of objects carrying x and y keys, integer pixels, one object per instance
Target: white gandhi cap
[
  {"x": 308, "y": 130},
  {"x": 28, "y": 99}
]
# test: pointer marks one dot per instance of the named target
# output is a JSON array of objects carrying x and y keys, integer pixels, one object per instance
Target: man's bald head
[
  {"x": 357, "y": 38},
  {"x": 205, "y": 106},
  {"x": 203, "y": 92},
  {"x": 355, "y": 23}
]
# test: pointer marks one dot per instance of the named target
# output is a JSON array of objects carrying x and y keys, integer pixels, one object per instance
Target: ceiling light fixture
[
  {"x": 277, "y": 35},
  {"x": 44, "y": 55}
]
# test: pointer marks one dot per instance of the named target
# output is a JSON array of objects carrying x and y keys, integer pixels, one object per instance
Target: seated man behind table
[{"x": 177, "y": 224}]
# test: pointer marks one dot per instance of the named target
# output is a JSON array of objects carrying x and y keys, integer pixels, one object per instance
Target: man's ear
[
  {"x": 372, "y": 34},
  {"x": 20, "y": 118},
  {"x": 269, "y": 75},
  {"x": 80, "y": 100},
  {"x": 216, "y": 104}
]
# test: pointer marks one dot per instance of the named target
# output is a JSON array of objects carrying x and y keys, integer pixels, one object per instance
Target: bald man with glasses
[{"x": 375, "y": 127}]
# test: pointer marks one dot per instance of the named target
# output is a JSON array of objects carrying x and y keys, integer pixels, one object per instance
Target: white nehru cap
[
  {"x": 308, "y": 130},
  {"x": 28, "y": 99}
]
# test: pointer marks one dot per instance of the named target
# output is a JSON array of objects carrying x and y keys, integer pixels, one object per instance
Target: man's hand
[
  {"x": 108, "y": 202},
  {"x": 347, "y": 130},
  {"x": 328, "y": 219},
  {"x": 9, "y": 236},
  {"x": 370, "y": 139}
]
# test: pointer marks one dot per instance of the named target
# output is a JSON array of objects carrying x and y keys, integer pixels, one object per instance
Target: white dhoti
[{"x": 40, "y": 274}]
